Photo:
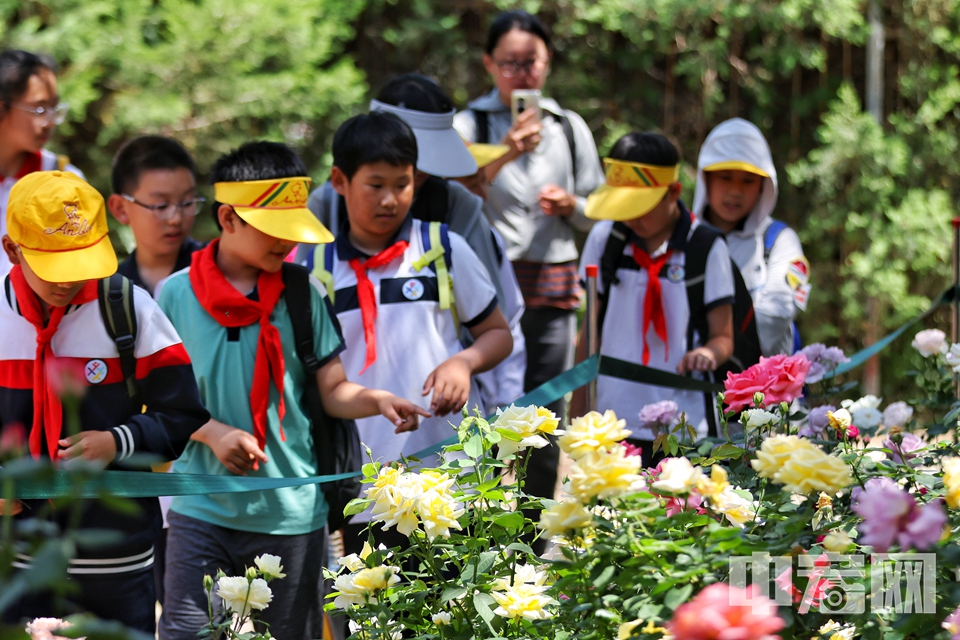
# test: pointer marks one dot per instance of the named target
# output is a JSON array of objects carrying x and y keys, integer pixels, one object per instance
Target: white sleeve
[
  {"x": 593, "y": 249},
  {"x": 786, "y": 287},
  {"x": 718, "y": 287},
  {"x": 472, "y": 288}
]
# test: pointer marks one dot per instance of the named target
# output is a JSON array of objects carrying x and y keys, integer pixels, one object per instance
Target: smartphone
[{"x": 523, "y": 99}]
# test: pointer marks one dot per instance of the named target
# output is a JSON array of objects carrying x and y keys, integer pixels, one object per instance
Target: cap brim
[
  {"x": 736, "y": 165},
  {"x": 443, "y": 153},
  {"x": 623, "y": 203},
  {"x": 484, "y": 154},
  {"x": 294, "y": 225},
  {"x": 78, "y": 265}
]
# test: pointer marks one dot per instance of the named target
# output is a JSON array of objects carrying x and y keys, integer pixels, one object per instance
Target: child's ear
[
  {"x": 118, "y": 208},
  {"x": 10, "y": 248},
  {"x": 674, "y": 192},
  {"x": 228, "y": 218},
  {"x": 339, "y": 180}
]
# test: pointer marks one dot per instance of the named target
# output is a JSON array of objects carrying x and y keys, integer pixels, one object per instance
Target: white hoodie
[{"x": 781, "y": 286}]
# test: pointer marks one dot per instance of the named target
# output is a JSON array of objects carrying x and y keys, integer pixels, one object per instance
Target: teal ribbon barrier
[
  {"x": 656, "y": 377},
  {"x": 147, "y": 484}
]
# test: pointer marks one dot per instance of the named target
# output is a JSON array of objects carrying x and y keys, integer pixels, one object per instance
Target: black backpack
[
  {"x": 746, "y": 341},
  {"x": 115, "y": 298},
  {"x": 336, "y": 440}
]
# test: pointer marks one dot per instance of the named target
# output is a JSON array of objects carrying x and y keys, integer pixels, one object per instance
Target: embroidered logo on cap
[
  {"x": 95, "y": 371},
  {"x": 412, "y": 289},
  {"x": 76, "y": 224}
]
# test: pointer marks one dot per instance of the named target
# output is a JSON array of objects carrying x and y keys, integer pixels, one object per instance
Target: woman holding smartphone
[{"x": 537, "y": 194}]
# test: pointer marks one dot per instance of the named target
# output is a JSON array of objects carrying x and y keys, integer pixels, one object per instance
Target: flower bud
[
  {"x": 758, "y": 399},
  {"x": 896, "y": 435},
  {"x": 207, "y": 582},
  {"x": 252, "y": 574}
]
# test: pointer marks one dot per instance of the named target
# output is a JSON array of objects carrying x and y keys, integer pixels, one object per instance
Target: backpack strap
[
  {"x": 695, "y": 267},
  {"x": 115, "y": 297},
  {"x": 609, "y": 263},
  {"x": 483, "y": 126},
  {"x": 437, "y": 251},
  {"x": 571, "y": 141},
  {"x": 770, "y": 238},
  {"x": 296, "y": 293},
  {"x": 321, "y": 261}
]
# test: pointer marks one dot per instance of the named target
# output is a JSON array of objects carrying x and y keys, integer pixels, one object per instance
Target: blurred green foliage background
[{"x": 872, "y": 201}]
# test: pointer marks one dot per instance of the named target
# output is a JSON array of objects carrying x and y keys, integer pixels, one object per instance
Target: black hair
[
  {"x": 416, "y": 92},
  {"x": 147, "y": 153},
  {"x": 518, "y": 19},
  {"x": 260, "y": 160},
  {"x": 646, "y": 148},
  {"x": 16, "y": 68},
  {"x": 373, "y": 137}
]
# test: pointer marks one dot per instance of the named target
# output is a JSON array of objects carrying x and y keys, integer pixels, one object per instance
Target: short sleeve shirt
[
  {"x": 621, "y": 332},
  {"x": 223, "y": 363}
]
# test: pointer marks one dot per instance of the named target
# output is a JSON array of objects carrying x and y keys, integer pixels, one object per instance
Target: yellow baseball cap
[
  {"x": 60, "y": 224},
  {"x": 276, "y": 207},
  {"x": 737, "y": 165},
  {"x": 632, "y": 190},
  {"x": 484, "y": 154}
]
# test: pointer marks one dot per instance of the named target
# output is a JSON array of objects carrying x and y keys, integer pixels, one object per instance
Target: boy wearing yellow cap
[
  {"x": 736, "y": 192},
  {"x": 53, "y": 331},
  {"x": 230, "y": 308},
  {"x": 647, "y": 313}
]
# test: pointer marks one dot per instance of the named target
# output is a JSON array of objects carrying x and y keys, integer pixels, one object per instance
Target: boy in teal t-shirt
[{"x": 229, "y": 307}]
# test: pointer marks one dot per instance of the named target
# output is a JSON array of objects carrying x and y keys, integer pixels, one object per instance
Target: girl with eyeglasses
[
  {"x": 536, "y": 200},
  {"x": 30, "y": 108}
]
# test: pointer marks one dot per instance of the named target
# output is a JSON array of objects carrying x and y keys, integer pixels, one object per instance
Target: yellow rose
[
  {"x": 809, "y": 470},
  {"x": 563, "y": 516},
  {"x": 625, "y": 630},
  {"x": 522, "y": 428},
  {"x": 550, "y": 420},
  {"x": 360, "y": 587},
  {"x": 602, "y": 474},
  {"x": 737, "y": 509},
  {"x": 523, "y": 601},
  {"x": 837, "y": 541},
  {"x": 439, "y": 512},
  {"x": 714, "y": 485},
  {"x": 951, "y": 481},
  {"x": 592, "y": 432},
  {"x": 840, "y": 420},
  {"x": 677, "y": 475},
  {"x": 775, "y": 451}
]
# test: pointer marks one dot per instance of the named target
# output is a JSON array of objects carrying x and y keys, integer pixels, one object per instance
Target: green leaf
[
  {"x": 509, "y": 520},
  {"x": 605, "y": 576},
  {"x": 357, "y": 505},
  {"x": 370, "y": 469},
  {"x": 726, "y": 452},
  {"x": 673, "y": 445},
  {"x": 482, "y": 603},
  {"x": 452, "y": 593},
  {"x": 677, "y": 596},
  {"x": 474, "y": 446}
]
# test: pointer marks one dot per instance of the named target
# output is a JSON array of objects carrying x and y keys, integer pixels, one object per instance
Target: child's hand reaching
[
  {"x": 400, "y": 412},
  {"x": 450, "y": 383},
  {"x": 700, "y": 359},
  {"x": 90, "y": 445}
]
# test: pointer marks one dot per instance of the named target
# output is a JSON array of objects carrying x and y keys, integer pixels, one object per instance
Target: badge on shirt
[
  {"x": 675, "y": 273},
  {"x": 412, "y": 289},
  {"x": 95, "y": 371},
  {"x": 798, "y": 273}
]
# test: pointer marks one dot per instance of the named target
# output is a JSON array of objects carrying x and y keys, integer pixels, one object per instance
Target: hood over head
[{"x": 738, "y": 144}]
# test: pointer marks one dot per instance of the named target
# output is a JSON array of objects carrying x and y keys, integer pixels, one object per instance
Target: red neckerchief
[
  {"x": 653, "y": 300},
  {"x": 230, "y": 308},
  {"x": 33, "y": 162},
  {"x": 367, "y": 296},
  {"x": 47, "y": 410}
]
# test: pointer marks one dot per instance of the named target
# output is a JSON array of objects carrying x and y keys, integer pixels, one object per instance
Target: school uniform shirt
[
  {"x": 167, "y": 390},
  {"x": 621, "y": 331},
  {"x": 223, "y": 362},
  {"x": 129, "y": 269},
  {"x": 43, "y": 160},
  {"x": 779, "y": 286},
  {"x": 414, "y": 336}
]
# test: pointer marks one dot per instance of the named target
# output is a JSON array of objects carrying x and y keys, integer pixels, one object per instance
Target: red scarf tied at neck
[
  {"x": 47, "y": 410},
  {"x": 367, "y": 297},
  {"x": 653, "y": 300},
  {"x": 230, "y": 308}
]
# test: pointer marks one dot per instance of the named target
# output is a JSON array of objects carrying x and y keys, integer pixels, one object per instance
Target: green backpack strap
[
  {"x": 322, "y": 268},
  {"x": 435, "y": 254},
  {"x": 115, "y": 297}
]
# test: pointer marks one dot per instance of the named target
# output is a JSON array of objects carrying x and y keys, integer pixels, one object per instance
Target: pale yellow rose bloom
[
  {"x": 775, "y": 451},
  {"x": 602, "y": 474},
  {"x": 837, "y": 541},
  {"x": 526, "y": 423},
  {"x": 523, "y": 601},
  {"x": 439, "y": 512},
  {"x": 564, "y": 516},
  {"x": 808, "y": 470},
  {"x": 358, "y": 588},
  {"x": 951, "y": 481},
  {"x": 837, "y": 632},
  {"x": 678, "y": 476},
  {"x": 734, "y": 507},
  {"x": 270, "y": 566},
  {"x": 592, "y": 432},
  {"x": 550, "y": 420},
  {"x": 241, "y": 595},
  {"x": 840, "y": 420},
  {"x": 714, "y": 485}
]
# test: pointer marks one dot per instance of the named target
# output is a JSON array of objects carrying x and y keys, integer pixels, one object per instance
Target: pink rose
[
  {"x": 721, "y": 611},
  {"x": 779, "y": 379}
]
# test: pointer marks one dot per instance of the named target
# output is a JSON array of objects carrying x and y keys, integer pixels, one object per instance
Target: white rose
[
  {"x": 269, "y": 566},
  {"x": 756, "y": 418},
  {"x": 930, "y": 342},
  {"x": 519, "y": 422},
  {"x": 866, "y": 402},
  {"x": 677, "y": 475},
  {"x": 897, "y": 414},
  {"x": 236, "y": 591},
  {"x": 441, "y": 618},
  {"x": 867, "y": 417},
  {"x": 953, "y": 357}
]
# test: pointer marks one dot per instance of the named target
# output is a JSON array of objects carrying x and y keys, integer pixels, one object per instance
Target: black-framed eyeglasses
[
  {"x": 514, "y": 68},
  {"x": 53, "y": 115},
  {"x": 188, "y": 208}
]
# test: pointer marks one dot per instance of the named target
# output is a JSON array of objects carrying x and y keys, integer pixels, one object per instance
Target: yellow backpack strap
[
  {"x": 320, "y": 271},
  {"x": 435, "y": 255},
  {"x": 62, "y": 162}
]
